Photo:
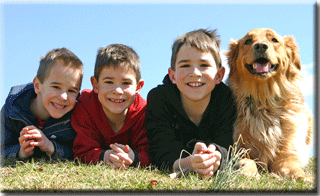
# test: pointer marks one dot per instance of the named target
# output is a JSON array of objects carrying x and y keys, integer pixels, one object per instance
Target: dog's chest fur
[{"x": 265, "y": 126}]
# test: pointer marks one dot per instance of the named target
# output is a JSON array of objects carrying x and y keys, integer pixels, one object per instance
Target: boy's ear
[
  {"x": 94, "y": 83},
  {"x": 219, "y": 75},
  {"x": 36, "y": 85},
  {"x": 171, "y": 75},
  {"x": 139, "y": 86}
]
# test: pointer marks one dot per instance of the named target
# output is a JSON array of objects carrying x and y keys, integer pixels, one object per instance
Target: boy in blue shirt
[{"x": 35, "y": 119}]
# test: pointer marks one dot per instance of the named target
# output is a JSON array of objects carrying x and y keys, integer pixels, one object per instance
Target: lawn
[{"x": 70, "y": 176}]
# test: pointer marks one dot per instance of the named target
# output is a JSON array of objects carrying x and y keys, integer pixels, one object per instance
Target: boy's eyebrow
[
  {"x": 110, "y": 78},
  {"x": 186, "y": 60},
  {"x": 183, "y": 61},
  {"x": 107, "y": 77},
  {"x": 74, "y": 87},
  {"x": 127, "y": 79}
]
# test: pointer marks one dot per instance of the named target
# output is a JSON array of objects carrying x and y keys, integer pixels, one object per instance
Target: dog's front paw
[
  {"x": 248, "y": 168},
  {"x": 295, "y": 173}
]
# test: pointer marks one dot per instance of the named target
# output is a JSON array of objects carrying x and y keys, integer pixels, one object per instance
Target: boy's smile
[
  {"x": 195, "y": 84},
  {"x": 195, "y": 74}
]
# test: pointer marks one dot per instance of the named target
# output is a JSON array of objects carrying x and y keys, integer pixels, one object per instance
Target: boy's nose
[
  {"x": 64, "y": 96},
  {"x": 118, "y": 90},
  {"x": 196, "y": 71}
]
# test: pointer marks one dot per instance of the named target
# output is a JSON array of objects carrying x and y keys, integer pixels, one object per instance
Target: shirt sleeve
[
  {"x": 140, "y": 143},
  {"x": 226, "y": 118},
  {"x": 165, "y": 148},
  {"x": 87, "y": 144},
  {"x": 62, "y": 151},
  {"x": 9, "y": 138}
]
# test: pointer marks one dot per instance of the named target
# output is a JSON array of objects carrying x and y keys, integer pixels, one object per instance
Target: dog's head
[{"x": 262, "y": 54}]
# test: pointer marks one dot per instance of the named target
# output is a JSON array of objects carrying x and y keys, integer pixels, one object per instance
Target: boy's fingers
[
  {"x": 114, "y": 158},
  {"x": 125, "y": 159},
  {"x": 29, "y": 149},
  {"x": 199, "y": 147},
  {"x": 205, "y": 171},
  {"x": 217, "y": 154},
  {"x": 36, "y": 136},
  {"x": 198, "y": 158},
  {"x": 125, "y": 148},
  {"x": 27, "y": 146},
  {"x": 211, "y": 148},
  {"x": 30, "y": 127},
  {"x": 24, "y": 131},
  {"x": 35, "y": 143},
  {"x": 34, "y": 131},
  {"x": 23, "y": 138},
  {"x": 116, "y": 148}
]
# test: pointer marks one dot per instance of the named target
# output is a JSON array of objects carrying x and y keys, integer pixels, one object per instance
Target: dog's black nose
[{"x": 261, "y": 47}]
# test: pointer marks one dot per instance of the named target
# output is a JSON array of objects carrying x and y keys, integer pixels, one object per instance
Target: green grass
[{"x": 70, "y": 176}]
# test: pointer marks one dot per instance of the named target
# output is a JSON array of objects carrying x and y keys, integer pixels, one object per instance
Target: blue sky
[{"x": 29, "y": 31}]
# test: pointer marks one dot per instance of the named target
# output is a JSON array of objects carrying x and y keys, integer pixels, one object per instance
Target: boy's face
[
  {"x": 116, "y": 89},
  {"x": 195, "y": 74},
  {"x": 57, "y": 95}
]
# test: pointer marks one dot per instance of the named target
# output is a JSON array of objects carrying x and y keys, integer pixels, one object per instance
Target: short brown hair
[
  {"x": 58, "y": 55},
  {"x": 117, "y": 55},
  {"x": 202, "y": 39}
]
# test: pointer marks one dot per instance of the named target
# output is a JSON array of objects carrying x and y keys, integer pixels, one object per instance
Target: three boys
[{"x": 192, "y": 110}]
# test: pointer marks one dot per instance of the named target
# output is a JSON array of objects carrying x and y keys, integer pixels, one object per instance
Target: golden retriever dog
[{"x": 273, "y": 121}]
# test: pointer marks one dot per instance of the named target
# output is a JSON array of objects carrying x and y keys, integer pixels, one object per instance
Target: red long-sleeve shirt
[{"x": 94, "y": 132}]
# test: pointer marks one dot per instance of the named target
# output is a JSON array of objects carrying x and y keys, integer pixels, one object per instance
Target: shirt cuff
[
  {"x": 136, "y": 159},
  {"x": 101, "y": 156}
]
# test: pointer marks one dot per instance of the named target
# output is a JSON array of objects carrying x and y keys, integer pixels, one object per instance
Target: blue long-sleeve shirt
[{"x": 16, "y": 114}]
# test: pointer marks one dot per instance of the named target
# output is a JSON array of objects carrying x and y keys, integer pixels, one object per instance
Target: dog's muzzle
[{"x": 261, "y": 66}]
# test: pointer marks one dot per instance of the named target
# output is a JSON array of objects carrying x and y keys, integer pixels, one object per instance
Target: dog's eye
[
  {"x": 274, "y": 40},
  {"x": 248, "y": 41}
]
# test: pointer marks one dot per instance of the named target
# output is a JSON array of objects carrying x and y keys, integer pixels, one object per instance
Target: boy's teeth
[
  {"x": 117, "y": 101},
  {"x": 195, "y": 84},
  {"x": 58, "y": 106}
]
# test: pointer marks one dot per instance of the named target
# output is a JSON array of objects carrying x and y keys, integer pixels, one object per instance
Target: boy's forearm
[{"x": 183, "y": 164}]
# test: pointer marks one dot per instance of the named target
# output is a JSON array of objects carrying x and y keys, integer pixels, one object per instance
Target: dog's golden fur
[{"x": 272, "y": 118}]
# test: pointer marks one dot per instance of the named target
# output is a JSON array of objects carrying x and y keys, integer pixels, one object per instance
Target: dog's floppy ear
[
  {"x": 292, "y": 51},
  {"x": 232, "y": 54}
]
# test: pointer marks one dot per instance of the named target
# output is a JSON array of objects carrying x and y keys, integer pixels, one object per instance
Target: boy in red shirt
[{"x": 110, "y": 119}]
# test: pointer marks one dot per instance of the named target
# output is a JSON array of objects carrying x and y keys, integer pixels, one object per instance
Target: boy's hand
[
  {"x": 37, "y": 138},
  {"x": 205, "y": 160},
  {"x": 120, "y": 156},
  {"x": 26, "y": 149}
]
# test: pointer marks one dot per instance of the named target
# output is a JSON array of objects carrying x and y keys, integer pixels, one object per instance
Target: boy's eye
[
  {"x": 55, "y": 87},
  {"x": 204, "y": 65},
  {"x": 185, "y": 65},
  {"x": 73, "y": 91},
  {"x": 108, "y": 82},
  {"x": 127, "y": 83}
]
